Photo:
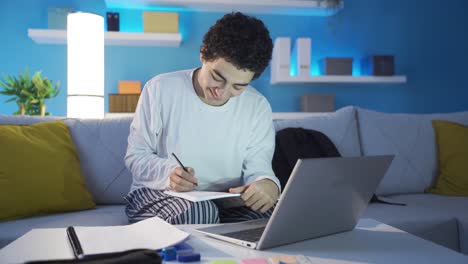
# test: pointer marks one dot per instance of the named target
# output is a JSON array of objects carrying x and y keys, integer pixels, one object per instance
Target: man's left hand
[{"x": 259, "y": 196}]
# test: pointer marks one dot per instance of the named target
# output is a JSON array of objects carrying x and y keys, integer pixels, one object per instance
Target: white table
[{"x": 369, "y": 242}]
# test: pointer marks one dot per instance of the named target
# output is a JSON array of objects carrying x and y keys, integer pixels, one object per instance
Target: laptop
[{"x": 323, "y": 196}]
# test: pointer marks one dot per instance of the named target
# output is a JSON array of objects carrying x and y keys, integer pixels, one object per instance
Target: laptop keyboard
[{"x": 250, "y": 235}]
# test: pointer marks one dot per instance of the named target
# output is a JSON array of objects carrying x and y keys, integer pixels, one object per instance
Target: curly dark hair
[{"x": 241, "y": 40}]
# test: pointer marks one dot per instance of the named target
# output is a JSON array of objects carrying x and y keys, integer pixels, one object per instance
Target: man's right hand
[{"x": 182, "y": 181}]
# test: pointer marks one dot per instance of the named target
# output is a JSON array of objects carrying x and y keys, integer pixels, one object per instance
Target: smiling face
[{"x": 217, "y": 81}]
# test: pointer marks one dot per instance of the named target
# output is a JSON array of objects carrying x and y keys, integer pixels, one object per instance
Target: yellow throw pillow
[
  {"x": 452, "y": 144},
  {"x": 40, "y": 171}
]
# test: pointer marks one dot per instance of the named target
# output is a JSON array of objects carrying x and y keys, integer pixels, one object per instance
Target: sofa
[{"x": 101, "y": 146}]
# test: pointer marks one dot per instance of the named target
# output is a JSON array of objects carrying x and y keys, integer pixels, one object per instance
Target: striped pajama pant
[{"x": 145, "y": 203}]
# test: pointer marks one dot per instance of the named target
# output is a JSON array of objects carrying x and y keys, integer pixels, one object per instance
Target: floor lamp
[{"x": 85, "y": 65}]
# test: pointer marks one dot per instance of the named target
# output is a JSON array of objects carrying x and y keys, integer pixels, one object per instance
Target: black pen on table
[
  {"x": 183, "y": 167},
  {"x": 75, "y": 243}
]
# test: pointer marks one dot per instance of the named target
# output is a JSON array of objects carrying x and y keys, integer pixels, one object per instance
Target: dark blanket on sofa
[{"x": 297, "y": 143}]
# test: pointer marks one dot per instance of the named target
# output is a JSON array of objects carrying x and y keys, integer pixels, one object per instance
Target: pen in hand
[{"x": 183, "y": 167}]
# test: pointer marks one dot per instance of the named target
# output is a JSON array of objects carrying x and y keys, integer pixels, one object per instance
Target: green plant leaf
[
  {"x": 27, "y": 75},
  {"x": 26, "y": 92}
]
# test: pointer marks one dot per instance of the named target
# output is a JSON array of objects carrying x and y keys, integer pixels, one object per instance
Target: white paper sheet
[
  {"x": 198, "y": 196},
  {"x": 152, "y": 233}
]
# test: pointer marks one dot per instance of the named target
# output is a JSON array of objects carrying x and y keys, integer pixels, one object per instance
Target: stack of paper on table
[{"x": 152, "y": 233}]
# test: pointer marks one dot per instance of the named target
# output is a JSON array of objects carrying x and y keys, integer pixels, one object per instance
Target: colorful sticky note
[
  {"x": 223, "y": 261},
  {"x": 254, "y": 261},
  {"x": 285, "y": 259},
  {"x": 183, "y": 247},
  {"x": 188, "y": 257},
  {"x": 169, "y": 253}
]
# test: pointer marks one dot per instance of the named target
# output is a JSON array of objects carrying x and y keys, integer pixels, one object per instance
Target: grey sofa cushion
[
  {"x": 101, "y": 145},
  {"x": 410, "y": 137},
  {"x": 339, "y": 126},
  {"x": 433, "y": 217},
  {"x": 101, "y": 216},
  {"x": 463, "y": 230}
]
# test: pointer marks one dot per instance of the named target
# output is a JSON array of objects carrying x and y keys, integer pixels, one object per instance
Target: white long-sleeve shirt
[{"x": 228, "y": 146}]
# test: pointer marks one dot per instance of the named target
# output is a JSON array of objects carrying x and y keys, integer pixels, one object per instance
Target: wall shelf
[
  {"x": 282, "y": 7},
  {"x": 340, "y": 79},
  {"x": 55, "y": 36}
]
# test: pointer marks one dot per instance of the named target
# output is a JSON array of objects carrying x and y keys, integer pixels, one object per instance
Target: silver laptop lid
[{"x": 323, "y": 196}]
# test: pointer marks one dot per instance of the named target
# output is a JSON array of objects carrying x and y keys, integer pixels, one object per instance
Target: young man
[{"x": 216, "y": 124}]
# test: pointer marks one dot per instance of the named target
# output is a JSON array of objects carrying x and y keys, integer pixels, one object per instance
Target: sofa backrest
[
  {"x": 25, "y": 120},
  {"x": 340, "y": 126},
  {"x": 410, "y": 137},
  {"x": 101, "y": 145}
]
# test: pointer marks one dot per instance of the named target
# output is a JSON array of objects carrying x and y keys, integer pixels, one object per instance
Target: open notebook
[
  {"x": 152, "y": 233},
  {"x": 198, "y": 196}
]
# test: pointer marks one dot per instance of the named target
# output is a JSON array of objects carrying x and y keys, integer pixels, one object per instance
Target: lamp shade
[{"x": 85, "y": 65}]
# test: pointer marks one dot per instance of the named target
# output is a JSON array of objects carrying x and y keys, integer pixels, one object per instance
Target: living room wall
[{"x": 428, "y": 39}]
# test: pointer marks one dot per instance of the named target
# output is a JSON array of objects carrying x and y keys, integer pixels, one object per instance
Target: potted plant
[{"x": 29, "y": 93}]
